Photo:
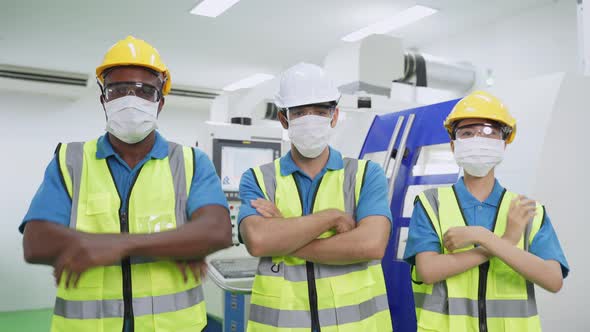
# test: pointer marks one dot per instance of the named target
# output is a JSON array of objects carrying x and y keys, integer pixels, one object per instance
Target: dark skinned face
[{"x": 134, "y": 74}]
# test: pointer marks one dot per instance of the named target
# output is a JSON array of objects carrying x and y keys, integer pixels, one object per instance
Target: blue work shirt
[
  {"x": 423, "y": 238},
  {"x": 52, "y": 202},
  {"x": 372, "y": 200}
]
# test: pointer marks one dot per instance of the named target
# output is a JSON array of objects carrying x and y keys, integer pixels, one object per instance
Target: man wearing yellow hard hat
[
  {"x": 126, "y": 219},
  {"x": 477, "y": 249}
]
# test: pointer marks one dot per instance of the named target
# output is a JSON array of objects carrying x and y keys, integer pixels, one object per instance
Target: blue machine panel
[
  {"x": 427, "y": 129},
  {"x": 234, "y": 312}
]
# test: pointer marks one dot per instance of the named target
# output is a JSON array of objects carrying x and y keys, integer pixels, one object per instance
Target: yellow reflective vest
[
  {"x": 491, "y": 297},
  {"x": 150, "y": 293},
  {"x": 290, "y": 294}
]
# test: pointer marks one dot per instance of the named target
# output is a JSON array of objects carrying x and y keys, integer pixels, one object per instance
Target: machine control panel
[{"x": 234, "y": 210}]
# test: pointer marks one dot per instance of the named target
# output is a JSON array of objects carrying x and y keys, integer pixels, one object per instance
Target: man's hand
[
  {"x": 266, "y": 208},
  {"x": 343, "y": 222},
  {"x": 464, "y": 236},
  {"x": 521, "y": 212},
  {"x": 87, "y": 251},
  {"x": 197, "y": 267}
]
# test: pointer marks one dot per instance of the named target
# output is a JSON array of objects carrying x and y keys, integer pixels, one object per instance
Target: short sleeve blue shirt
[{"x": 423, "y": 238}]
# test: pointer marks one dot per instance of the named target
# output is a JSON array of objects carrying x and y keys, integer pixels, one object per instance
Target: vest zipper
[
  {"x": 313, "y": 297},
  {"x": 481, "y": 296},
  {"x": 126, "y": 270},
  {"x": 483, "y": 268},
  {"x": 311, "y": 285},
  {"x": 126, "y": 262}
]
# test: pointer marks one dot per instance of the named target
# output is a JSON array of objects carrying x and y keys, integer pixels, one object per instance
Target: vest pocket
[
  {"x": 507, "y": 283},
  {"x": 354, "y": 295},
  {"x": 98, "y": 203}
]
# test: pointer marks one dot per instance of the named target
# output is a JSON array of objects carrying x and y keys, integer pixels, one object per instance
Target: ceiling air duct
[{"x": 43, "y": 75}]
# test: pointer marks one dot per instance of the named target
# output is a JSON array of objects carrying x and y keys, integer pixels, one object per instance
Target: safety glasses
[
  {"x": 121, "y": 89},
  {"x": 479, "y": 129},
  {"x": 324, "y": 110}
]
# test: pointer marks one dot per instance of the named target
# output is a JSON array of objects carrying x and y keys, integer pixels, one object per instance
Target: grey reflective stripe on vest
[
  {"x": 270, "y": 180},
  {"x": 350, "y": 169},
  {"x": 439, "y": 302},
  {"x": 432, "y": 197},
  {"x": 527, "y": 234},
  {"x": 327, "y": 317},
  {"x": 297, "y": 273},
  {"x": 74, "y": 160},
  {"x": 141, "y": 306},
  {"x": 176, "y": 159}
]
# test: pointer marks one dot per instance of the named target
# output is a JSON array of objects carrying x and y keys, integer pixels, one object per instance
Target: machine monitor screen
[
  {"x": 232, "y": 158},
  {"x": 235, "y": 161}
]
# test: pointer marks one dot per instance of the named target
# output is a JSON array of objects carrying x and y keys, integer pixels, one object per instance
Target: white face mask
[
  {"x": 478, "y": 155},
  {"x": 310, "y": 134},
  {"x": 131, "y": 118}
]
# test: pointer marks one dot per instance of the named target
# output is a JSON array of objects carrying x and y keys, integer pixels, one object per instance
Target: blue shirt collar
[
  {"x": 289, "y": 167},
  {"x": 468, "y": 200},
  {"x": 104, "y": 148}
]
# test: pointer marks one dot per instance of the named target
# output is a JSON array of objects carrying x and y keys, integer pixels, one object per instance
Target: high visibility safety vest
[
  {"x": 150, "y": 293},
  {"x": 290, "y": 294},
  {"x": 492, "y": 297}
]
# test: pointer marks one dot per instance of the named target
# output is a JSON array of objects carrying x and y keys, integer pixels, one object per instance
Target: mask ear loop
[{"x": 100, "y": 86}]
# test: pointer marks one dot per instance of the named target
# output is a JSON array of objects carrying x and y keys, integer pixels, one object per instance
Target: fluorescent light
[
  {"x": 212, "y": 8},
  {"x": 248, "y": 82},
  {"x": 394, "y": 22}
]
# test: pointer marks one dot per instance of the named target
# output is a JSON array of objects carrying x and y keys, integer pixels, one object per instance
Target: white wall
[
  {"x": 32, "y": 125},
  {"x": 562, "y": 184},
  {"x": 543, "y": 163},
  {"x": 533, "y": 42}
]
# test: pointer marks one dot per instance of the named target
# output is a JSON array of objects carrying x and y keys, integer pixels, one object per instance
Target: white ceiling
[{"x": 252, "y": 36}]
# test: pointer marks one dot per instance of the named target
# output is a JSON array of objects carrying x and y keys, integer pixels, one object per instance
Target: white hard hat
[{"x": 305, "y": 84}]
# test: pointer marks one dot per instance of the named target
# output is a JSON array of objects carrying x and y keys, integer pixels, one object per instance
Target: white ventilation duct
[{"x": 71, "y": 84}]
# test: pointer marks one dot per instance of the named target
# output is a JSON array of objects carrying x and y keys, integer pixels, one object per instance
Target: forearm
[
  {"x": 206, "y": 233},
  {"x": 334, "y": 251},
  {"x": 282, "y": 236},
  {"x": 546, "y": 274},
  {"x": 366, "y": 242},
  {"x": 44, "y": 241},
  {"x": 433, "y": 267}
]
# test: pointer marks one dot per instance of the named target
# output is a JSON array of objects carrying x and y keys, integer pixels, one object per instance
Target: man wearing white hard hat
[{"x": 319, "y": 222}]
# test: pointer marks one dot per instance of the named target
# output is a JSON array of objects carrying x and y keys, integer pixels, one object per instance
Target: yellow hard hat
[
  {"x": 134, "y": 52},
  {"x": 481, "y": 105}
]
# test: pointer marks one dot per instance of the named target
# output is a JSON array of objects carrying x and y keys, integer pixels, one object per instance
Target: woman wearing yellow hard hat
[{"x": 475, "y": 248}]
